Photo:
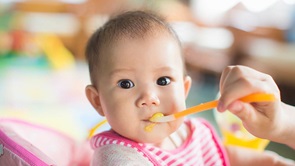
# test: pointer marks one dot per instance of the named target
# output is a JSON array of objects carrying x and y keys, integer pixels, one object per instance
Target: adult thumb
[{"x": 239, "y": 109}]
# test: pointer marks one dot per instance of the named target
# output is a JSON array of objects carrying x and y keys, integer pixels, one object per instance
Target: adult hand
[{"x": 270, "y": 120}]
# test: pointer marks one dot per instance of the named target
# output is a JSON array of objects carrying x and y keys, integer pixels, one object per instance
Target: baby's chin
[
  {"x": 154, "y": 140},
  {"x": 151, "y": 137},
  {"x": 155, "y": 136}
]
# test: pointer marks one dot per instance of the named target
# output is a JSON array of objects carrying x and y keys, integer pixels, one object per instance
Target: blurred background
[{"x": 43, "y": 71}]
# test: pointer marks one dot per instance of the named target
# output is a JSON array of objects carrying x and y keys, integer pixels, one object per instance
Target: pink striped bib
[{"x": 202, "y": 147}]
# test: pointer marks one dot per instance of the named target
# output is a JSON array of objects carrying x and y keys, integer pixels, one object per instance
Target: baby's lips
[{"x": 156, "y": 115}]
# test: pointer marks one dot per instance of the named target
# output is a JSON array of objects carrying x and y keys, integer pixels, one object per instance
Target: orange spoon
[{"x": 257, "y": 97}]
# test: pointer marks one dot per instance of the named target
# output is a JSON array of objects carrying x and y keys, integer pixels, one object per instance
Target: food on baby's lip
[
  {"x": 150, "y": 127},
  {"x": 156, "y": 115}
]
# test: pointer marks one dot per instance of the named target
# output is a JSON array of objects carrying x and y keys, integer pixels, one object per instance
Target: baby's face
[{"x": 141, "y": 77}]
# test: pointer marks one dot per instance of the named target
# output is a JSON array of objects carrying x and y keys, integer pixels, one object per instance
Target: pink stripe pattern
[{"x": 202, "y": 148}]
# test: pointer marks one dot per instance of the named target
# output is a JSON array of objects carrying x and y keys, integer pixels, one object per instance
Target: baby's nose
[{"x": 148, "y": 100}]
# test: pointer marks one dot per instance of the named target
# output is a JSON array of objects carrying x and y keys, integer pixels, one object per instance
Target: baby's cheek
[{"x": 176, "y": 124}]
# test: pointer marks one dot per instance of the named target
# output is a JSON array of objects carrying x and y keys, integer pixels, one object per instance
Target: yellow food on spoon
[{"x": 150, "y": 127}]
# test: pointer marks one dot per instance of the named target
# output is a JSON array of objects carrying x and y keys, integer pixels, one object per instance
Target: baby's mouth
[
  {"x": 155, "y": 116},
  {"x": 150, "y": 127}
]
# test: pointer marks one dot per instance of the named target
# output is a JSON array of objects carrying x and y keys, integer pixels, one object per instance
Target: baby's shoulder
[
  {"x": 113, "y": 154},
  {"x": 110, "y": 149}
]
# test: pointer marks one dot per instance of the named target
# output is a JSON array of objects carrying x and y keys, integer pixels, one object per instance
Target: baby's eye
[
  {"x": 125, "y": 84},
  {"x": 162, "y": 81}
]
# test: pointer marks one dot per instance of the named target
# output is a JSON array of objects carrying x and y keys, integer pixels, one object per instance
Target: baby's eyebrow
[
  {"x": 117, "y": 71},
  {"x": 166, "y": 69}
]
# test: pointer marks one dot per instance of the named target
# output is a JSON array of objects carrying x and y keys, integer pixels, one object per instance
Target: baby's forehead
[
  {"x": 143, "y": 47},
  {"x": 123, "y": 41},
  {"x": 116, "y": 57}
]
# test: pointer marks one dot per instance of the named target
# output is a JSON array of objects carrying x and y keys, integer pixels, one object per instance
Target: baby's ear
[
  {"x": 187, "y": 84},
  {"x": 93, "y": 98}
]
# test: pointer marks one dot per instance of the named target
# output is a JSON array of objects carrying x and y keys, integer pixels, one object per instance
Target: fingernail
[
  {"x": 220, "y": 107},
  {"x": 235, "y": 107}
]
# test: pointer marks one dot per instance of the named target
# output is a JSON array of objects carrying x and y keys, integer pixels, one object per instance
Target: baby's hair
[{"x": 132, "y": 25}]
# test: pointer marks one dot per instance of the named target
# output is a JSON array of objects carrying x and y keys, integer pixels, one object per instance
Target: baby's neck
[{"x": 176, "y": 139}]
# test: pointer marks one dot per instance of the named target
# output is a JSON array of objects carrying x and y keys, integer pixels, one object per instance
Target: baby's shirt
[{"x": 202, "y": 147}]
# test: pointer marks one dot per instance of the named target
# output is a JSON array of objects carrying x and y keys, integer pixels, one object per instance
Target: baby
[{"x": 137, "y": 69}]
